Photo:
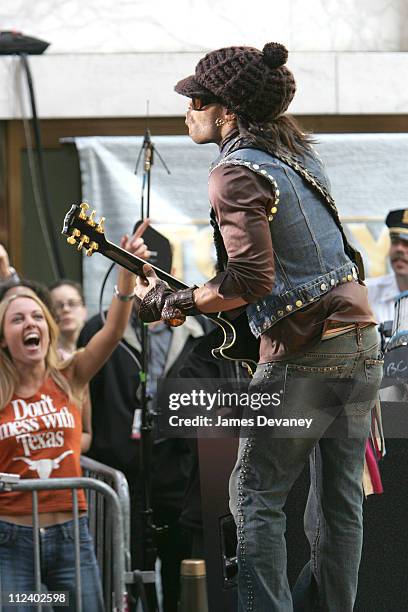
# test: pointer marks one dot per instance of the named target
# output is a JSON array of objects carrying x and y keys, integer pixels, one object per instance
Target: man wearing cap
[
  {"x": 282, "y": 254},
  {"x": 383, "y": 290}
]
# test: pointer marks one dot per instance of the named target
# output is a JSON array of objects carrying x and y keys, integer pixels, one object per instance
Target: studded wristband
[{"x": 181, "y": 301}]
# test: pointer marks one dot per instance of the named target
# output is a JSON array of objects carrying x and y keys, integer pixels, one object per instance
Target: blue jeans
[
  {"x": 268, "y": 465},
  {"x": 57, "y": 564}
]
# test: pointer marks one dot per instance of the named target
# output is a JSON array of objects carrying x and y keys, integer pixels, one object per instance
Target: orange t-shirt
[{"x": 40, "y": 437}]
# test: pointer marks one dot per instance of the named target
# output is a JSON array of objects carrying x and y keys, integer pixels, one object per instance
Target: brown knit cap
[{"x": 254, "y": 84}]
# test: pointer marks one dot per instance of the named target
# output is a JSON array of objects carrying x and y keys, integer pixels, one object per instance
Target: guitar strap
[
  {"x": 322, "y": 191},
  {"x": 328, "y": 200},
  {"x": 220, "y": 250}
]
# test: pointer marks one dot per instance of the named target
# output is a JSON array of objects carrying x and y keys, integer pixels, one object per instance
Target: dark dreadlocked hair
[{"x": 282, "y": 136}]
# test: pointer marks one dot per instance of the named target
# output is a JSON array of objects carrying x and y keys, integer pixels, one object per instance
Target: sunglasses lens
[{"x": 198, "y": 104}]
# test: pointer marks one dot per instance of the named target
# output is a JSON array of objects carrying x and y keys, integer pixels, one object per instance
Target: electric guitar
[{"x": 235, "y": 342}]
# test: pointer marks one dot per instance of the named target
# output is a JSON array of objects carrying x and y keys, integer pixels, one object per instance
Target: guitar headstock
[{"x": 82, "y": 229}]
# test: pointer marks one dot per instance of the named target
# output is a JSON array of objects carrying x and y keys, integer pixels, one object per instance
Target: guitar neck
[{"x": 135, "y": 264}]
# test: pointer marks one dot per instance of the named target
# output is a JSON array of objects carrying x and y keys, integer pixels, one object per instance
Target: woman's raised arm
[{"x": 87, "y": 362}]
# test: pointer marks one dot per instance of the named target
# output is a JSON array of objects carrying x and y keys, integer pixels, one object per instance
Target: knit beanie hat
[{"x": 254, "y": 84}]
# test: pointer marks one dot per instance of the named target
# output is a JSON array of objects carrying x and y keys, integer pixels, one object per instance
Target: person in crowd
[
  {"x": 382, "y": 290},
  {"x": 116, "y": 425},
  {"x": 284, "y": 256},
  {"x": 71, "y": 313},
  {"x": 40, "y": 430},
  {"x": 15, "y": 284}
]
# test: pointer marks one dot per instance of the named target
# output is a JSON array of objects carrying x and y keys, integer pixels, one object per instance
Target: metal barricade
[
  {"x": 100, "y": 521},
  {"x": 114, "y": 508},
  {"x": 100, "y": 527}
]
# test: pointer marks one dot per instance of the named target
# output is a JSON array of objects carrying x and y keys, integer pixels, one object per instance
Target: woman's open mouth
[{"x": 32, "y": 340}]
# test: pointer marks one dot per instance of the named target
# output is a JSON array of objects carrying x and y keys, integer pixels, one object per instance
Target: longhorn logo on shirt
[{"x": 44, "y": 467}]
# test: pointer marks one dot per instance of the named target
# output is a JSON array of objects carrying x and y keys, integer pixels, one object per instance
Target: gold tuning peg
[
  {"x": 100, "y": 228},
  {"x": 91, "y": 220},
  {"x": 72, "y": 238},
  {"x": 92, "y": 248},
  {"x": 84, "y": 240},
  {"x": 84, "y": 207}
]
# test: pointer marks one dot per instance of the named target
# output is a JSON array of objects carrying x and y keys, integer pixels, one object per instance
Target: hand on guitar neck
[
  {"x": 206, "y": 299},
  {"x": 237, "y": 342}
]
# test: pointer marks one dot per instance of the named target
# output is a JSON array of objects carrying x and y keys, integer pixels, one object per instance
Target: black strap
[
  {"x": 220, "y": 250},
  {"x": 311, "y": 179},
  {"x": 300, "y": 169}
]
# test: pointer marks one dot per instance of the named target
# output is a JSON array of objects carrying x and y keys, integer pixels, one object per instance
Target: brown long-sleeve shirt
[{"x": 242, "y": 200}]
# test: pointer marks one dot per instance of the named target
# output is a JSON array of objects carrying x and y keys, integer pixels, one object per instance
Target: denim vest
[{"x": 308, "y": 247}]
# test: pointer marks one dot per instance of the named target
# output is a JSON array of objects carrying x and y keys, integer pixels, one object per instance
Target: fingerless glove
[
  {"x": 178, "y": 305},
  {"x": 151, "y": 306}
]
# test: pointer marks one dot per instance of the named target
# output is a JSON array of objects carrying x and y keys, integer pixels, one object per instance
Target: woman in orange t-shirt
[{"x": 40, "y": 437}]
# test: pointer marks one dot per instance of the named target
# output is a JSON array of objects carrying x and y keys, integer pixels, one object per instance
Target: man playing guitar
[{"x": 282, "y": 254}]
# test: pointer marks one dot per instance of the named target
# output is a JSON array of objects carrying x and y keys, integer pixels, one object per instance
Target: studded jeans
[{"x": 268, "y": 465}]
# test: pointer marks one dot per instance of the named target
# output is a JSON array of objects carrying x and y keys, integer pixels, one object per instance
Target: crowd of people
[
  {"x": 43, "y": 391},
  {"x": 283, "y": 255}
]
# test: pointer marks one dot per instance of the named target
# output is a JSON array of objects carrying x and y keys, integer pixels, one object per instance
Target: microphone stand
[
  {"x": 150, "y": 531},
  {"x": 149, "y": 151}
]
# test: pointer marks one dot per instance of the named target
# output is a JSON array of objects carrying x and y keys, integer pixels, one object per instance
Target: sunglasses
[{"x": 199, "y": 104}]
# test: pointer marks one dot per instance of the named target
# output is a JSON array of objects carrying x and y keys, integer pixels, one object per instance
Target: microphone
[{"x": 148, "y": 151}]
